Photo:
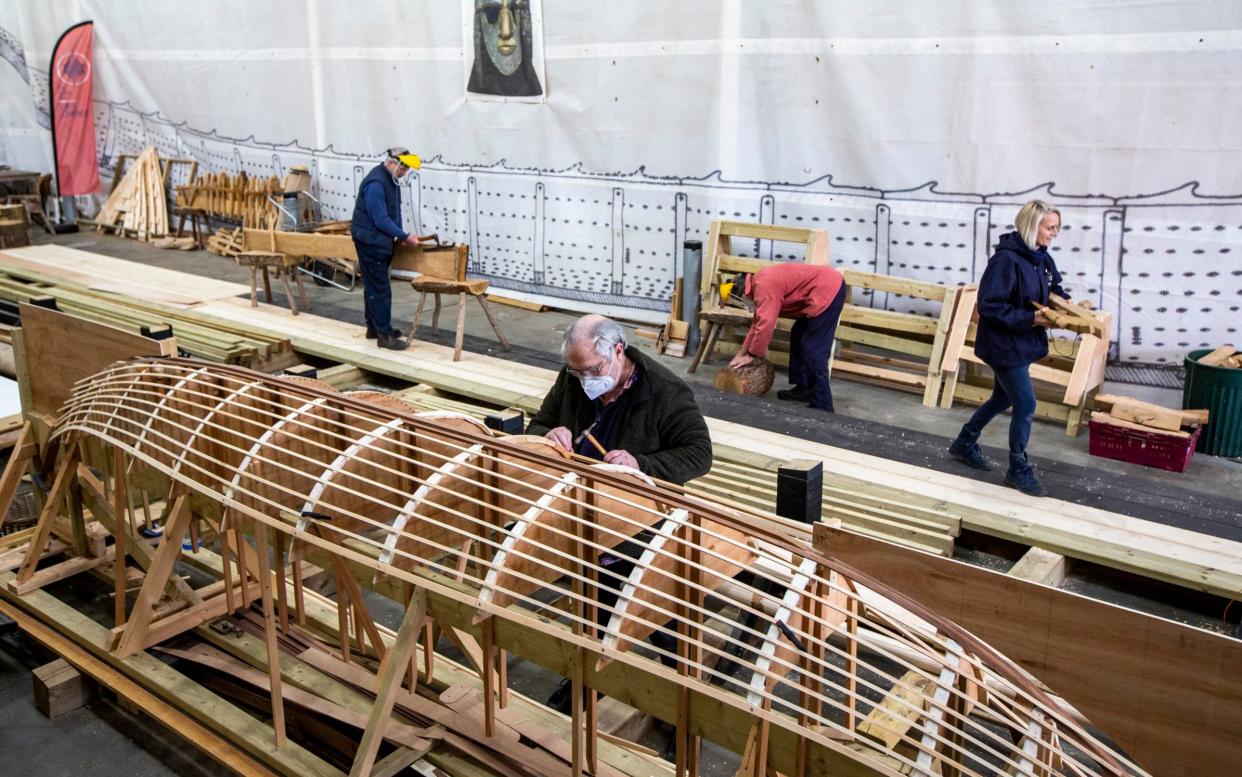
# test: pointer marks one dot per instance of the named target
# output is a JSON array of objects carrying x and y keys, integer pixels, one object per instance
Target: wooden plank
[
  {"x": 895, "y": 285},
  {"x": 1189, "y": 417},
  {"x": 88, "y": 270},
  {"x": 1167, "y": 693},
  {"x": 62, "y": 349},
  {"x": 767, "y": 232},
  {"x": 187, "y": 729},
  {"x": 1105, "y": 418},
  {"x": 215, "y": 720},
  {"x": 1147, "y": 415},
  {"x": 441, "y": 262}
]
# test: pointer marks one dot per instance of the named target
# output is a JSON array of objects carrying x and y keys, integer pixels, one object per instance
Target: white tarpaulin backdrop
[{"x": 911, "y": 131}]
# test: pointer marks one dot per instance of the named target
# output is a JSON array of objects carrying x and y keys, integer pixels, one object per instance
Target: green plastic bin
[{"x": 1219, "y": 389}]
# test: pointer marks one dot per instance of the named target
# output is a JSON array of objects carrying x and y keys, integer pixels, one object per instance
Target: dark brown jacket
[{"x": 664, "y": 431}]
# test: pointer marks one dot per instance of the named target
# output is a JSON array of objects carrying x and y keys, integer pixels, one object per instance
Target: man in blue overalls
[{"x": 376, "y": 230}]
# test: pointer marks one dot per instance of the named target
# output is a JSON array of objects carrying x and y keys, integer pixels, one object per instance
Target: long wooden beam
[{"x": 174, "y": 688}]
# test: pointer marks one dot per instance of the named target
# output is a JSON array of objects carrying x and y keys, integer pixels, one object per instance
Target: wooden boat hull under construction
[{"x": 769, "y": 646}]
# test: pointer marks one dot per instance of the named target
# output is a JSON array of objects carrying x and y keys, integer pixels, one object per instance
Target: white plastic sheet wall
[{"x": 911, "y": 131}]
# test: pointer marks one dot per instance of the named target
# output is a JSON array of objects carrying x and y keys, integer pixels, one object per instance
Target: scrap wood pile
[
  {"x": 138, "y": 203},
  {"x": 1225, "y": 356},
  {"x": 202, "y": 336},
  {"x": 1130, "y": 413}
]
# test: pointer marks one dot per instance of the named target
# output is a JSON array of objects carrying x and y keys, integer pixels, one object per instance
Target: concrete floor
[{"x": 868, "y": 418}]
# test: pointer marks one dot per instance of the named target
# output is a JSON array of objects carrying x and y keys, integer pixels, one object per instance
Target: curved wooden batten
[
  {"x": 357, "y": 463},
  {"x": 372, "y": 484}
]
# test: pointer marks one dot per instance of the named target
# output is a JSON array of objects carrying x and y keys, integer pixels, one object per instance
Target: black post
[
  {"x": 800, "y": 490},
  {"x": 508, "y": 421}
]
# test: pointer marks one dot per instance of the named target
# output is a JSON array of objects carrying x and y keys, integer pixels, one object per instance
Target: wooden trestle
[{"x": 832, "y": 672}]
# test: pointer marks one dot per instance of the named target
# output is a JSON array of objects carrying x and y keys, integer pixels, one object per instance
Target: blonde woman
[{"x": 1012, "y": 336}]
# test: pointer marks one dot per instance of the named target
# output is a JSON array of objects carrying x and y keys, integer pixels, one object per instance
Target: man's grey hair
[{"x": 602, "y": 333}]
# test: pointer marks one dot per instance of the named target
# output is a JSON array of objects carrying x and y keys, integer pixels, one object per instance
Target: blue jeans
[
  {"x": 1012, "y": 387},
  {"x": 376, "y": 289},
  {"x": 810, "y": 343}
]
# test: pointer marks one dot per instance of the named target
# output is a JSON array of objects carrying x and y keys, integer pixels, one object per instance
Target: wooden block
[
  {"x": 1219, "y": 355},
  {"x": 1041, "y": 566},
  {"x": 301, "y": 371},
  {"x": 678, "y": 330},
  {"x": 59, "y": 688}
]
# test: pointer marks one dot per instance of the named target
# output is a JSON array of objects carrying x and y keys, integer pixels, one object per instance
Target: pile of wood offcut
[
  {"x": 1225, "y": 356},
  {"x": 1135, "y": 414},
  {"x": 139, "y": 202}
]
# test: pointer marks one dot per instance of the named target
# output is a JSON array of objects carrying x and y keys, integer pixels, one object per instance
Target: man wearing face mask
[
  {"x": 643, "y": 415},
  {"x": 376, "y": 230}
]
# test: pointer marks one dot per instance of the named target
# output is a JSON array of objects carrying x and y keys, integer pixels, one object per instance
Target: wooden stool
[
  {"x": 436, "y": 286},
  {"x": 194, "y": 214},
  {"x": 718, "y": 319},
  {"x": 284, "y": 265}
]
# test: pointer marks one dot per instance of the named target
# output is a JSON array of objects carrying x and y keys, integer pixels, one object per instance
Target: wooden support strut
[{"x": 392, "y": 669}]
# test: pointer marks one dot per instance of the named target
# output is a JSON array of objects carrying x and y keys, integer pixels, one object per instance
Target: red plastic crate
[{"x": 1151, "y": 449}]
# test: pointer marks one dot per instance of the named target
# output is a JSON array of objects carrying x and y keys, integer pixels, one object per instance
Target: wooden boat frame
[{"x": 844, "y": 676}]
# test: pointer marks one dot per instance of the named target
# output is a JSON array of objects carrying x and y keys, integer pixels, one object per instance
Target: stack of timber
[
  {"x": 139, "y": 203},
  {"x": 212, "y": 339},
  {"x": 1130, "y": 413},
  {"x": 422, "y": 511},
  {"x": 1224, "y": 356},
  {"x": 931, "y": 528},
  {"x": 239, "y": 199},
  {"x": 1065, "y": 380}
]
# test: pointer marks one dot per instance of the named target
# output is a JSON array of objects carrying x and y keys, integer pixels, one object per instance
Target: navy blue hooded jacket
[
  {"x": 1016, "y": 275},
  {"x": 375, "y": 228}
]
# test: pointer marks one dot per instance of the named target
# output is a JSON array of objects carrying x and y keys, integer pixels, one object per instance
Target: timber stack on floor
[
  {"x": 152, "y": 308},
  {"x": 139, "y": 202}
]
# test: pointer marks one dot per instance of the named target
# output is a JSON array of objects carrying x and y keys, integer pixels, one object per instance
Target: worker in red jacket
[{"x": 812, "y": 294}]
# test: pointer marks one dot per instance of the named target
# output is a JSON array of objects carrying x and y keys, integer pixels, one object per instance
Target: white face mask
[{"x": 597, "y": 386}]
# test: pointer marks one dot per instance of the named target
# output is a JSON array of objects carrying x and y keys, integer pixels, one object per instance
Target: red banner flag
[{"x": 73, "y": 116}]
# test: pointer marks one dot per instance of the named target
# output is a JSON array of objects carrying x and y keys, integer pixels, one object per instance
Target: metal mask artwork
[{"x": 503, "y": 42}]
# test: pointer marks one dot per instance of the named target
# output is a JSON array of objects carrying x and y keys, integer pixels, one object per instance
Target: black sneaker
[
  {"x": 393, "y": 342},
  {"x": 795, "y": 394},
  {"x": 371, "y": 334}
]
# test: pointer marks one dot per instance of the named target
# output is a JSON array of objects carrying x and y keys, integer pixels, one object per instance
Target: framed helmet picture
[{"x": 504, "y": 50}]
